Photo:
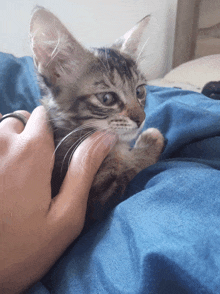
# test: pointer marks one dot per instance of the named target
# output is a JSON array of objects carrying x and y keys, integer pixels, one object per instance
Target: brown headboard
[{"x": 197, "y": 30}]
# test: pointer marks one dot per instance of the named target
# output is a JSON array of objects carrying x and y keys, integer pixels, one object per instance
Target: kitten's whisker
[
  {"x": 80, "y": 128},
  {"x": 58, "y": 145},
  {"x": 75, "y": 146},
  {"x": 79, "y": 143},
  {"x": 94, "y": 142},
  {"x": 91, "y": 145},
  {"x": 85, "y": 137},
  {"x": 106, "y": 135}
]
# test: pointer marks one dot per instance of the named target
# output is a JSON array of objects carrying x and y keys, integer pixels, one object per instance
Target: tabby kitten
[{"x": 84, "y": 91}]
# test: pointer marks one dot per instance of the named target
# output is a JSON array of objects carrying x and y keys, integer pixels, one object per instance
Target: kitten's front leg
[
  {"x": 148, "y": 148},
  {"x": 120, "y": 167}
]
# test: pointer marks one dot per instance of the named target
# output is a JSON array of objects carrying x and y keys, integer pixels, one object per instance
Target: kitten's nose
[
  {"x": 137, "y": 115},
  {"x": 138, "y": 122}
]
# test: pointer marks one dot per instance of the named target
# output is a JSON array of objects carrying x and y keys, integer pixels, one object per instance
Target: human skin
[{"x": 34, "y": 229}]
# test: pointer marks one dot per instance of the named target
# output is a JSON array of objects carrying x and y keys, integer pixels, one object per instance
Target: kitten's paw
[{"x": 151, "y": 138}]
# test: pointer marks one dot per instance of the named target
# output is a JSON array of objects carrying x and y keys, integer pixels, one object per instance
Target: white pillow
[{"x": 192, "y": 75}]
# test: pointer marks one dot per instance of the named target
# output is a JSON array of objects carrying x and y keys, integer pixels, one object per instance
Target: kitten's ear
[
  {"x": 56, "y": 52},
  {"x": 134, "y": 40}
]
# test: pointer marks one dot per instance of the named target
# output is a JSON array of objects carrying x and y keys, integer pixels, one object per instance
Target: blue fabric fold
[
  {"x": 164, "y": 237},
  {"x": 18, "y": 84}
]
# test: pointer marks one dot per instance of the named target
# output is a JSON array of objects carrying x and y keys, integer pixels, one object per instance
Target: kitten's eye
[
  {"x": 107, "y": 99},
  {"x": 141, "y": 92}
]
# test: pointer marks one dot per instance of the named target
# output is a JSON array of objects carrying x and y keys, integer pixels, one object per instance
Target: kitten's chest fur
[{"x": 112, "y": 177}]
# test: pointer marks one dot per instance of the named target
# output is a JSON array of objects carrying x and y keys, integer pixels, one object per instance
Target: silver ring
[{"x": 19, "y": 116}]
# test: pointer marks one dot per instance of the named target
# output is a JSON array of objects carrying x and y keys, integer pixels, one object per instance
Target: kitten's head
[{"x": 101, "y": 88}]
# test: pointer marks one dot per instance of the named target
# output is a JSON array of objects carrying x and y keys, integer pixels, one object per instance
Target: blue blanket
[{"x": 164, "y": 237}]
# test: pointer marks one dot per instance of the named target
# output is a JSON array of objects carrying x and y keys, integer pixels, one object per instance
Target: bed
[{"x": 164, "y": 236}]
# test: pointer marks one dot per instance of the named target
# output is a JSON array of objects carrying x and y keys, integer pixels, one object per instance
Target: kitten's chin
[{"x": 128, "y": 136}]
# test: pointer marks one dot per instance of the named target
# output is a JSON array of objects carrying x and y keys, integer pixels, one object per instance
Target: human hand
[{"x": 35, "y": 229}]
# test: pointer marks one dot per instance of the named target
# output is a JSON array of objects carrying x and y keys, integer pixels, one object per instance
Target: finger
[
  {"x": 69, "y": 206},
  {"x": 37, "y": 124},
  {"x": 39, "y": 135},
  {"x": 13, "y": 124}
]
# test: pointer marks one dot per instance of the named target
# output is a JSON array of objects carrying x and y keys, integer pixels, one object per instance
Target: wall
[{"x": 95, "y": 23}]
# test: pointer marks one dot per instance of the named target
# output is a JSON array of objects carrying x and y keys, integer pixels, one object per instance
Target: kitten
[{"x": 84, "y": 91}]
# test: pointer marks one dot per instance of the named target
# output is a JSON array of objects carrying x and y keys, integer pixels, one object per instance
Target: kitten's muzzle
[{"x": 137, "y": 115}]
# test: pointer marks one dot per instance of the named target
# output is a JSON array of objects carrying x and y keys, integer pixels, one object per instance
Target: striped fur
[{"x": 85, "y": 91}]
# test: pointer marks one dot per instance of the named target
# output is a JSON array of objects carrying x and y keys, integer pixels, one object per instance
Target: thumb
[{"x": 69, "y": 206}]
